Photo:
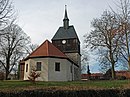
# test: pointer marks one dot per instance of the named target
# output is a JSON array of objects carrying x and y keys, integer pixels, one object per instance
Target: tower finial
[
  {"x": 65, "y": 7},
  {"x": 66, "y": 20},
  {"x": 66, "y": 16}
]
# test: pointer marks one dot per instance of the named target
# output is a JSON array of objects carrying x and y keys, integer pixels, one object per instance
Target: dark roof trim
[
  {"x": 65, "y": 39},
  {"x": 51, "y": 57}
]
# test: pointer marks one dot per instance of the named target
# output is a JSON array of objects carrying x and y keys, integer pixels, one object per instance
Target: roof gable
[
  {"x": 47, "y": 49},
  {"x": 65, "y": 33}
]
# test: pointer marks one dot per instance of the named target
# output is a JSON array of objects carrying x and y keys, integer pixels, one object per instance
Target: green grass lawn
[{"x": 75, "y": 85}]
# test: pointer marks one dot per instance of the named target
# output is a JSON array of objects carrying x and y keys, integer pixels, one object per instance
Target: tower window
[
  {"x": 69, "y": 42},
  {"x": 57, "y": 66},
  {"x": 38, "y": 66},
  {"x": 75, "y": 41}
]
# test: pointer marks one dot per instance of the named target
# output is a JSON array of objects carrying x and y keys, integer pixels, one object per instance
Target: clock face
[{"x": 64, "y": 41}]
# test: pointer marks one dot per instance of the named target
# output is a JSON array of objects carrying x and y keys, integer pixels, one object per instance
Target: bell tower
[{"x": 66, "y": 40}]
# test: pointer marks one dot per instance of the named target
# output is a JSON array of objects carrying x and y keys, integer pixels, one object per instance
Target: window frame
[
  {"x": 38, "y": 66},
  {"x": 26, "y": 67},
  {"x": 57, "y": 67}
]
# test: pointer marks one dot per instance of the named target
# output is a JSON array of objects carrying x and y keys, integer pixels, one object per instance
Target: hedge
[{"x": 61, "y": 93}]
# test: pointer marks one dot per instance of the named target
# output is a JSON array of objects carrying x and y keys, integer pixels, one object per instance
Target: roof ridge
[
  {"x": 36, "y": 49},
  {"x": 47, "y": 49}
]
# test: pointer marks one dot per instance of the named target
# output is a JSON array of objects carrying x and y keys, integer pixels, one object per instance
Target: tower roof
[
  {"x": 47, "y": 49},
  {"x": 66, "y": 31},
  {"x": 66, "y": 16},
  {"x": 65, "y": 34}
]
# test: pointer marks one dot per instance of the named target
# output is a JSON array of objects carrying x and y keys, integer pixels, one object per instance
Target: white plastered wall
[
  {"x": 32, "y": 64},
  {"x": 64, "y": 74},
  {"x": 48, "y": 72}
]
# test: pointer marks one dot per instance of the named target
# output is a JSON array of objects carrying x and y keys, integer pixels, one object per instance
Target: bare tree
[
  {"x": 104, "y": 40},
  {"x": 84, "y": 60},
  {"x": 123, "y": 14},
  {"x": 6, "y": 13},
  {"x": 30, "y": 48},
  {"x": 12, "y": 47}
]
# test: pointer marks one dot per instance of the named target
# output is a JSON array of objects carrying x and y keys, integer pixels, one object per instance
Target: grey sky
[{"x": 40, "y": 19}]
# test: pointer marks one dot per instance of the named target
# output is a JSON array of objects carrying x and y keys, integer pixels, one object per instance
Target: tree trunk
[
  {"x": 7, "y": 73},
  {"x": 113, "y": 64},
  {"x": 129, "y": 62},
  {"x": 113, "y": 71},
  {"x": 7, "y": 69}
]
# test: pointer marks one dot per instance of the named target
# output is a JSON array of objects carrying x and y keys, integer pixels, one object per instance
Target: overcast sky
[{"x": 40, "y": 19}]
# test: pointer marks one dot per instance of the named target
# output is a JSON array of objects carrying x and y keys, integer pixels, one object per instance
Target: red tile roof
[
  {"x": 47, "y": 49},
  {"x": 123, "y": 73}
]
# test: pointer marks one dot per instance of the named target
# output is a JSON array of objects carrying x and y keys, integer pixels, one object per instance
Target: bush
[
  {"x": 58, "y": 93},
  {"x": 33, "y": 75}
]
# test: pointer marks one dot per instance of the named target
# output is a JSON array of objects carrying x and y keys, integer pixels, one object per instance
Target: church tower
[{"x": 68, "y": 42}]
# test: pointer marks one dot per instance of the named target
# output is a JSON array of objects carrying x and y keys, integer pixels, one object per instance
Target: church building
[{"x": 59, "y": 60}]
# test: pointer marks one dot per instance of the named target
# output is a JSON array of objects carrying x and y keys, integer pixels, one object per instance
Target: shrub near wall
[{"x": 58, "y": 93}]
